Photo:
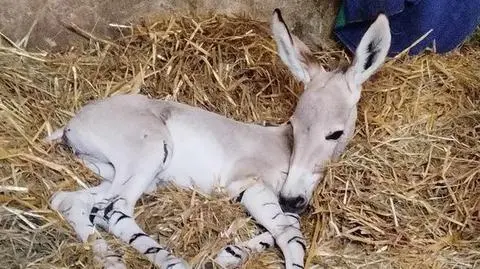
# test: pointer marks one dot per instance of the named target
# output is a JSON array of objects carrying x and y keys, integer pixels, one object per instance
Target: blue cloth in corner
[{"x": 451, "y": 22}]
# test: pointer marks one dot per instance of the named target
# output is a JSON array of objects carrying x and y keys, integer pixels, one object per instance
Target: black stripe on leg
[
  {"x": 152, "y": 250},
  {"x": 297, "y": 265},
  {"x": 276, "y": 215},
  {"x": 165, "y": 152},
  {"x": 107, "y": 211},
  {"x": 231, "y": 252},
  {"x": 265, "y": 245},
  {"x": 171, "y": 265},
  {"x": 93, "y": 214},
  {"x": 302, "y": 244},
  {"x": 295, "y": 216},
  {"x": 298, "y": 239},
  {"x": 123, "y": 216},
  {"x": 294, "y": 238},
  {"x": 114, "y": 255},
  {"x": 135, "y": 237}
]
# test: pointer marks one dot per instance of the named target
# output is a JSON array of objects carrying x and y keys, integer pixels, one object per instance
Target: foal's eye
[{"x": 334, "y": 136}]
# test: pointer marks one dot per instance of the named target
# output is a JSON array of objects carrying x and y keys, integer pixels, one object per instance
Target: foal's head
[{"x": 324, "y": 119}]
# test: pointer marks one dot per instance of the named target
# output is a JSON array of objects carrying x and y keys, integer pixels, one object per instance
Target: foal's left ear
[
  {"x": 293, "y": 52},
  {"x": 372, "y": 50}
]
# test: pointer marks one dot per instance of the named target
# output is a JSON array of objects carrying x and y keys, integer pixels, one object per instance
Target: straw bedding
[{"x": 406, "y": 193}]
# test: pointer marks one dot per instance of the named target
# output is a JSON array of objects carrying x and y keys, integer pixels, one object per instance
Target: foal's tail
[{"x": 57, "y": 134}]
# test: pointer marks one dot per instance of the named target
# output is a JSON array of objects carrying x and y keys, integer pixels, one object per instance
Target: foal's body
[
  {"x": 152, "y": 142},
  {"x": 181, "y": 132},
  {"x": 135, "y": 144}
]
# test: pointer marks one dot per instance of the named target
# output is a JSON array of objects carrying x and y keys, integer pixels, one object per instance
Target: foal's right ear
[
  {"x": 372, "y": 50},
  {"x": 293, "y": 52}
]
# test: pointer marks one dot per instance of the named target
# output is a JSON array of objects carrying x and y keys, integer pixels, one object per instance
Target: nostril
[{"x": 299, "y": 201}]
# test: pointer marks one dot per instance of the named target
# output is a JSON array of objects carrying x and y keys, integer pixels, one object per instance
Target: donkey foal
[{"x": 135, "y": 143}]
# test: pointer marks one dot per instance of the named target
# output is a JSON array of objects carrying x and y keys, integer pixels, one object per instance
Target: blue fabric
[{"x": 451, "y": 20}]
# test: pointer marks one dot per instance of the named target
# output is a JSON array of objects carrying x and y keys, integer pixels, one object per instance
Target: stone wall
[{"x": 40, "y": 24}]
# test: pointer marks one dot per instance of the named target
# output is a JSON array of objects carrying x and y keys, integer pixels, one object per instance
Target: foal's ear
[
  {"x": 372, "y": 50},
  {"x": 293, "y": 52}
]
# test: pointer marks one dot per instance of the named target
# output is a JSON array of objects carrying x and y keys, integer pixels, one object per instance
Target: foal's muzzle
[{"x": 293, "y": 204}]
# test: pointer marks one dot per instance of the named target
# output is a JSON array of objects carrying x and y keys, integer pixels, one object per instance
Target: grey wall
[{"x": 41, "y": 20}]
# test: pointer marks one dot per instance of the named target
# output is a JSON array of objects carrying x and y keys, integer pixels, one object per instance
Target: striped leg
[
  {"x": 116, "y": 218},
  {"x": 114, "y": 212},
  {"x": 233, "y": 256},
  {"x": 75, "y": 206},
  {"x": 262, "y": 204}
]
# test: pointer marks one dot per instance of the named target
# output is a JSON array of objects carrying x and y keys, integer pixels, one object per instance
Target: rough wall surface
[{"x": 40, "y": 24}]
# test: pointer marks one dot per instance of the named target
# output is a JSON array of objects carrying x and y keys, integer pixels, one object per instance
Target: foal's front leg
[
  {"x": 262, "y": 204},
  {"x": 233, "y": 256}
]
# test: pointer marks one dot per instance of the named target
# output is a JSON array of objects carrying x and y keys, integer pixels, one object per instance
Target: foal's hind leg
[
  {"x": 76, "y": 207},
  {"x": 102, "y": 169},
  {"x": 114, "y": 211}
]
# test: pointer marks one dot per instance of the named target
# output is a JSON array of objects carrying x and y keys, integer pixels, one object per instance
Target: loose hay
[{"x": 406, "y": 194}]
